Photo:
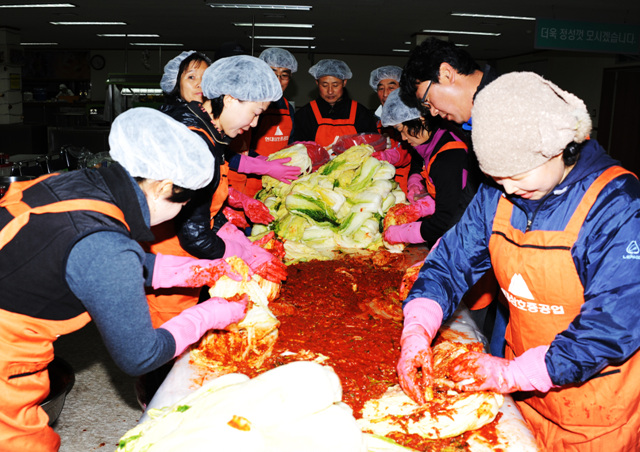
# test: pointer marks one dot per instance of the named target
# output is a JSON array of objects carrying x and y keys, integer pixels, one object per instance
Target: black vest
[{"x": 32, "y": 265}]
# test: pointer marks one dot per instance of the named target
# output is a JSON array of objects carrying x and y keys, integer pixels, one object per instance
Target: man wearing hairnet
[
  {"x": 384, "y": 80},
  {"x": 332, "y": 114},
  {"x": 275, "y": 126},
  {"x": 69, "y": 254},
  {"x": 560, "y": 228}
]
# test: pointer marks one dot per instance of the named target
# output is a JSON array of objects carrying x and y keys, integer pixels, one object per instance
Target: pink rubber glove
[
  {"x": 422, "y": 318},
  {"x": 426, "y": 206},
  {"x": 404, "y": 233},
  {"x": 259, "y": 260},
  {"x": 527, "y": 372},
  {"x": 184, "y": 271},
  {"x": 213, "y": 314},
  {"x": 274, "y": 168},
  {"x": 415, "y": 186},
  {"x": 254, "y": 209},
  {"x": 392, "y": 156}
]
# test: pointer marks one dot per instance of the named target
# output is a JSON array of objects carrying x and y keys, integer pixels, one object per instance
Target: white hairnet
[
  {"x": 244, "y": 77},
  {"x": 171, "y": 69},
  {"x": 395, "y": 112},
  {"x": 277, "y": 57},
  {"x": 382, "y": 73},
  {"x": 334, "y": 68},
  {"x": 152, "y": 145}
]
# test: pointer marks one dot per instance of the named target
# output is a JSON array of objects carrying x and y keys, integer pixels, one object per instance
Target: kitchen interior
[{"x": 61, "y": 86}]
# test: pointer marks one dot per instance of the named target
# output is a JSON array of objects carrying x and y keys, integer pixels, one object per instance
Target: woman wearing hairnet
[
  {"x": 192, "y": 233},
  {"x": 384, "y": 80},
  {"x": 438, "y": 180},
  {"x": 69, "y": 255},
  {"x": 275, "y": 126},
  {"x": 560, "y": 229}
]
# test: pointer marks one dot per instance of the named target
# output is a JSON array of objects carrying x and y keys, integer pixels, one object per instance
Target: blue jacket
[{"x": 606, "y": 256}]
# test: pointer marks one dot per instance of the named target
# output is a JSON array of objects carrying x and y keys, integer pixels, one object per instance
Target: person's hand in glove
[
  {"x": 236, "y": 217},
  {"x": 274, "y": 168},
  {"x": 191, "y": 324},
  {"x": 259, "y": 260},
  {"x": 415, "y": 187},
  {"x": 392, "y": 156},
  {"x": 422, "y": 318},
  {"x": 184, "y": 271},
  {"x": 527, "y": 372},
  {"x": 404, "y": 233},
  {"x": 254, "y": 209}
]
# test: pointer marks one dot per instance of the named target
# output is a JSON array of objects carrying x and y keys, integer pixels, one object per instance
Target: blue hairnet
[
  {"x": 395, "y": 112},
  {"x": 333, "y": 68},
  {"x": 277, "y": 57},
  {"x": 171, "y": 69},
  {"x": 152, "y": 145},
  {"x": 244, "y": 77},
  {"x": 382, "y": 73}
]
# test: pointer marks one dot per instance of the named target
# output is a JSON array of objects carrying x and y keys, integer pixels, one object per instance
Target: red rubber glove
[
  {"x": 261, "y": 261},
  {"x": 415, "y": 186},
  {"x": 214, "y": 314},
  {"x": 404, "y": 233},
  {"x": 236, "y": 217},
  {"x": 527, "y": 372},
  {"x": 254, "y": 209},
  {"x": 392, "y": 156},
  {"x": 184, "y": 271},
  {"x": 274, "y": 168},
  {"x": 422, "y": 318}
]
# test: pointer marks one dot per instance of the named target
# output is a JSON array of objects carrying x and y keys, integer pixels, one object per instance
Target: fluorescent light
[
  {"x": 272, "y": 25},
  {"x": 38, "y": 43},
  {"x": 408, "y": 42},
  {"x": 127, "y": 35},
  {"x": 287, "y": 47},
  {"x": 258, "y": 6},
  {"x": 493, "y": 16},
  {"x": 88, "y": 23},
  {"x": 296, "y": 38},
  {"x": 156, "y": 44},
  {"x": 400, "y": 50},
  {"x": 457, "y": 32},
  {"x": 41, "y": 5}
]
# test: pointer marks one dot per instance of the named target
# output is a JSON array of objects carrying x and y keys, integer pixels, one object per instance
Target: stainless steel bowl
[{"x": 61, "y": 377}]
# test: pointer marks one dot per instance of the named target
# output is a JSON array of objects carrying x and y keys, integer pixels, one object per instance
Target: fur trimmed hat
[{"x": 521, "y": 120}]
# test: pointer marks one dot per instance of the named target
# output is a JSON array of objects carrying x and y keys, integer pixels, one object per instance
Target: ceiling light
[
  {"x": 493, "y": 16},
  {"x": 272, "y": 25},
  {"x": 156, "y": 44},
  {"x": 400, "y": 50},
  {"x": 287, "y": 47},
  {"x": 88, "y": 23},
  {"x": 38, "y": 43},
  {"x": 127, "y": 35},
  {"x": 296, "y": 38},
  {"x": 41, "y": 5},
  {"x": 258, "y": 6},
  {"x": 456, "y": 32}
]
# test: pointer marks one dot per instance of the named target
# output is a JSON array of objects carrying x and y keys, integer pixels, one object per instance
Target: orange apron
[
  {"x": 330, "y": 129},
  {"x": 431, "y": 189},
  {"x": 26, "y": 343},
  {"x": 165, "y": 304},
  {"x": 538, "y": 277},
  {"x": 274, "y": 130}
]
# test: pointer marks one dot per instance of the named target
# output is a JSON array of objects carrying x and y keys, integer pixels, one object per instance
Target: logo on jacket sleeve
[
  {"x": 633, "y": 251},
  {"x": 520, "y": 297}
]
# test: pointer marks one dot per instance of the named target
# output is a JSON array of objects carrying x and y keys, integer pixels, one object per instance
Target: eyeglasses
[
  {"x": 283, "y": 75},
  {"x": 424, "y": 101}
]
